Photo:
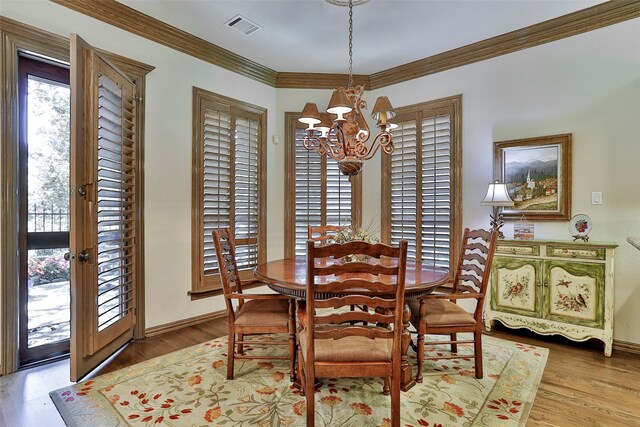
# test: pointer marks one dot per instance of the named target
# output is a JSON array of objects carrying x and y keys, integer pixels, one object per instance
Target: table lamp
[{"x": 497, "y": 196}]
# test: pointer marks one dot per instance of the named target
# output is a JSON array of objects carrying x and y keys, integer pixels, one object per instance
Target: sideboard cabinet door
[
  {"x": 516, "y": 286},
  {"x": 575, "y": 293}
]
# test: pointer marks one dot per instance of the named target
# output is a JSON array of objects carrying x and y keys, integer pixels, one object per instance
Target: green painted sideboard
[{"x": 553, "y": 287}]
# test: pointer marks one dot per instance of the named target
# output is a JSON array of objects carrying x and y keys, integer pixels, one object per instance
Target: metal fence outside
[{"x": 47, "y": 218}]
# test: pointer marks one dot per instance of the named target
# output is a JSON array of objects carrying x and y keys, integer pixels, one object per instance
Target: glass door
[{"x": 44, "y": 102}]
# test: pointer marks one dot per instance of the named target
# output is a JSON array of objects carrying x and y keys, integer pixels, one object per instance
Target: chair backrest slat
[
  {"x": 475, "y": 261},
  {"x": 323, "y": 234},
  {"x": 377, "y": 283},
  {"x": 349, "y": 316},
  {"x": 337, "y": 302},
  {"x": 342, "y": 332},
  {"x": 375, "y": 250},
  {"x": 361, "y": 286},
  {"x": 356, "y": 266},
  {"x": 224, "y": 243}
]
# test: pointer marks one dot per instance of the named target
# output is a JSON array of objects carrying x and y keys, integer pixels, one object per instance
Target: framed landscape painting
[{"x": 537, "y": 172}]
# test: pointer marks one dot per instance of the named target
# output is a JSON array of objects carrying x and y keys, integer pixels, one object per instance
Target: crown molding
[
  {"x": 318, "y": 80},
  {"x": 581, "y": 21},
  {"x": 128, "y": 19}
]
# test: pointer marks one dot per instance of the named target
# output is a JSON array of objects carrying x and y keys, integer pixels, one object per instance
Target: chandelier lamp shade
[
  {"x": 342, "y": 132},
  {"x": 498, "y": 197}
]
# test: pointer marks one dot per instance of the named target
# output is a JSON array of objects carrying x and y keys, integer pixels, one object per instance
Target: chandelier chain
[{"x": 350, "y": 43}]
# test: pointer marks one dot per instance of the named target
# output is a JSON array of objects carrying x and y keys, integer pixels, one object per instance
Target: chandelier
[{"x": 342, "y": 132}]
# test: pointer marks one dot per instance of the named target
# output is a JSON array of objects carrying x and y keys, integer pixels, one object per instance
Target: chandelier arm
[{"x": 381, "y": 140}]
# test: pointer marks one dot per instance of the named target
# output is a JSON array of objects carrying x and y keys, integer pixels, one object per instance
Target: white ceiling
[{"x": 312, "y": 35}]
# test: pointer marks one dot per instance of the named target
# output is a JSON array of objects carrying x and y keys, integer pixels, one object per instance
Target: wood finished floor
[{"x": 580, "y": 386}]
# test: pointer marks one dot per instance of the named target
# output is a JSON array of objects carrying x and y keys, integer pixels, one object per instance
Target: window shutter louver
[
  {"x": 115, "y": 202},
  {"x": 246, "y": 192},
  {"x": 308, "y": 191},
  {"x": 216, "y": 185},
  {"x": 421, "y": 182},
  {"x": 228, "y": 156},
  {"x": 403, "y": 187},
  {"x": 338, "y": 196},
  {"x": 436, "y": 190}
]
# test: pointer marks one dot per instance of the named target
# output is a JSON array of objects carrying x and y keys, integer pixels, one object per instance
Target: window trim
[
  {"x": 203, "y": 286},
  {"x": 291, "y": 124},
  {"x": 451, "y": 105}
]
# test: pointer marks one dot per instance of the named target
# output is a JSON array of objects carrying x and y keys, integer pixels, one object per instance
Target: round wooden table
[{"x": 289, "y": 277}]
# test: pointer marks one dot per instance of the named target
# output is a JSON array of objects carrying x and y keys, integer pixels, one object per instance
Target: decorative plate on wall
[{"x": 580, "y": 226}]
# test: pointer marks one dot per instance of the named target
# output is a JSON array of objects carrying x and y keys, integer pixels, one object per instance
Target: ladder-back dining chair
[
  {"x": 439, "y": 314},
  {"x": 329, "y": 348},
  {"x": 254, "y": 314}
]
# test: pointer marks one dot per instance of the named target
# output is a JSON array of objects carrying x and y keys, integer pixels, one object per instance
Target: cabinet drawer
[
  {"x": 556, "y": 251},
  {"x": 517, "y": 249}
]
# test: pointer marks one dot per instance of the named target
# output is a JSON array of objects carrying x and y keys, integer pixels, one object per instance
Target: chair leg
[
  {"x": 395, "y": 403},
  {"x": 230, "y": 354},
  {"x": 240, "y": 346},
  {"x": 454, "y": 346},
  {"x": 386, "y": 387},
  {"x": 477, "y": 350},
  {"x": 301, "y": 376},
  {"x": 310, "y": 395},
  {"x": 292, "y": 356},
  {"x": 420, "y": 354}
]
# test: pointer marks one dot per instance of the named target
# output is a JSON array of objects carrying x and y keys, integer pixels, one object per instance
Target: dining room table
[{"x": 288, "y": 276}]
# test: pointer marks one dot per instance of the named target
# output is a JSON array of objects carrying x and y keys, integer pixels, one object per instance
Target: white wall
[{"x": 167, "y": 147}]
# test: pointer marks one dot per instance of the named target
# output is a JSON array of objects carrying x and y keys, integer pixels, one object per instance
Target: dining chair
[
  {"x": 255, "y": 314},
  {"x": 322, "y": 234},
  {"x": 329, "y": 348},
  {"x": 439, "y": 314}
]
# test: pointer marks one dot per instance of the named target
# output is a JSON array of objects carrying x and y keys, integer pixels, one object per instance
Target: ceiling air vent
[{"x": 243, "y": 25}]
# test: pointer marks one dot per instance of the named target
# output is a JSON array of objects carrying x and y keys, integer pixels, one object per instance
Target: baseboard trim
[
  {"x": 179, "y": 324},
  {"x": 628, "y": 347}
]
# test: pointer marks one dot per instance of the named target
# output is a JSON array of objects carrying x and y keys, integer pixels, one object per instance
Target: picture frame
[{"x": 537, "y": 172}]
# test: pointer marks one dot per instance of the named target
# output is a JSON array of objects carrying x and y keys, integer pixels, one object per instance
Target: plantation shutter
[
  {"x": 404, "y": 187},
  {"x": 217, "y": 180},
  {"x": 316, "y": 192},
  {"x": 338, "y": 195},
  {"x": 105, "y": 208},
  {"x": 420, "y": 180},
  {"x": 308, "y": 191},
  {"x": 246, "y": 192},
  {"x": 228, "y": 159},
  {"x": 115, "y": 200},
  {"x": 436, "y": 190}
]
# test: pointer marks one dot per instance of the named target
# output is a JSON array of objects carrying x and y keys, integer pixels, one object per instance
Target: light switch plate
[{"x": 596, "y": 198}]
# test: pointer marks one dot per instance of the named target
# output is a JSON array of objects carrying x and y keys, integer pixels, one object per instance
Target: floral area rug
[{"x": 188, "y": 388}]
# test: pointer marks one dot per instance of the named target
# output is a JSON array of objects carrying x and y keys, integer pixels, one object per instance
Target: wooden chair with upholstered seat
[
  {"x": 323, "y": 234},
  {"x": 329, "y": 348},
  {"x": 439, "y": 314},
  {"x": 255, "y": 314}
]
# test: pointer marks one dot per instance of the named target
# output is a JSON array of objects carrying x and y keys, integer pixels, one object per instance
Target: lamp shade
[
  {"x": 325, "y": 124},
  {"x": 497, "y": 195},
  {"x": 382, "y": 110},
  {"x": 339, "y": 103},
  {"x": 310, "y": 115}
]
